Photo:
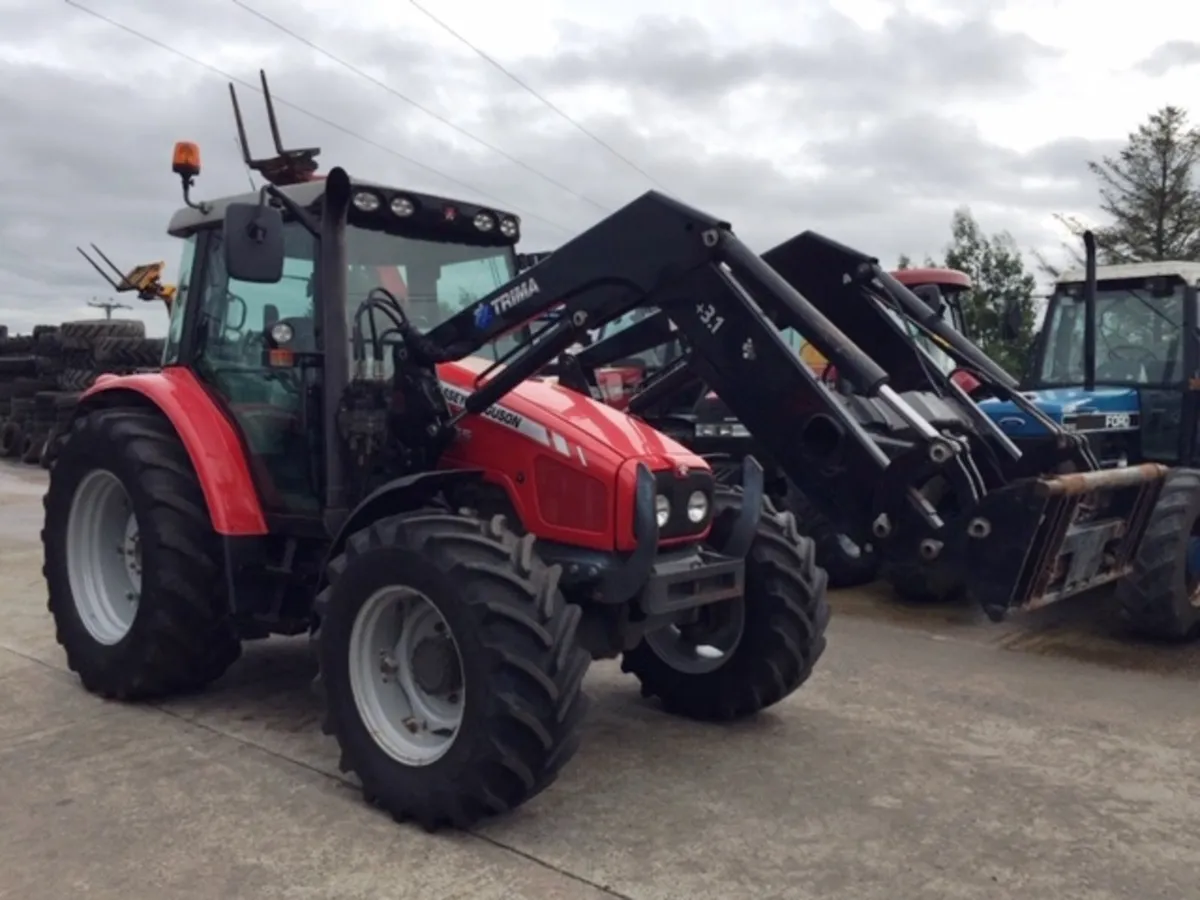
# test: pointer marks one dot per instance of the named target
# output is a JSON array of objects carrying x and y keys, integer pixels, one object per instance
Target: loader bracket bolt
[
  {"x": 939, "y": 452},
  {"x": 930, "y": 548},
  {"x": 979, "y": 528},
  {"x": 882, "y": 526}
]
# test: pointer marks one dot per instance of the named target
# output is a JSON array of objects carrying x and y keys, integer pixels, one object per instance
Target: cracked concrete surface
[{"x": 924, "y": 759}]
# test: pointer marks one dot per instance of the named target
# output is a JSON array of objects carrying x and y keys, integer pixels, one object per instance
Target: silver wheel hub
[
  {"x": 406, "y": 676},
  {"x": 104, "y": 557}
]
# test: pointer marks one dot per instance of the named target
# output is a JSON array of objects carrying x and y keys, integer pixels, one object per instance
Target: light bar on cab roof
[{"x": 434, "y": 211}]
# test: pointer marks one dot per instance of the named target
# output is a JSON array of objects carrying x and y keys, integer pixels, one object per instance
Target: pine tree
[{"x": 1150, "y": 193}]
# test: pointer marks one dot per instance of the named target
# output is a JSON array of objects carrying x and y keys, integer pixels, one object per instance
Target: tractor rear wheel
[
  {"x": 449, "y": 667},
  {"x": 133, "y": 566},
  {"x": 1161, "y": 597},
  {"x": 746, "y": 654}
]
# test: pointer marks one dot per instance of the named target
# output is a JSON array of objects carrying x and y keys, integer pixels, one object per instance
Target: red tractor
[{"x": 325, "y": 451}]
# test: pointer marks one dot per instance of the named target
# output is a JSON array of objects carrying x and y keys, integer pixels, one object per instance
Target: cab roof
[
  {"x": 307, "y": 195},
  {"x": 1188, "y": 271},
  {"x": 929, "y": 275}
]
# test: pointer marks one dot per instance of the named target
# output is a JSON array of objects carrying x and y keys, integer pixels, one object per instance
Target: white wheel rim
[
  {"x": 694, "y": 650},
  {"x": 412, "y": 707},
  {"x": 104, "y": 557}
]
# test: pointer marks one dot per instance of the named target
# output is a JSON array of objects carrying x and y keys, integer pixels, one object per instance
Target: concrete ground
[{"x": 924, "y": 759}]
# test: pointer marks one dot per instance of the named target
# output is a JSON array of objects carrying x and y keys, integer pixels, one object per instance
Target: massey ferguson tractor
[
  {"x": 348, "y": 439},
  {"x": 332, "y": 448}
]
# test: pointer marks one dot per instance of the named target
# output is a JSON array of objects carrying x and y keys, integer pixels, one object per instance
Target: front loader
[
  {"x": 623, "y": 361},
  {"x": 897, "y": 453},
  {"x": 331, "y": 448}
]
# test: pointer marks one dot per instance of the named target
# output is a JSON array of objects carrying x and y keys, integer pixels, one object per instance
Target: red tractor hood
[{"x": 551, "y": 414}]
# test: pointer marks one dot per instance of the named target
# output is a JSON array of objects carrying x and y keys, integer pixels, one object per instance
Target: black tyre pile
[{"x": 43, "y": 374}]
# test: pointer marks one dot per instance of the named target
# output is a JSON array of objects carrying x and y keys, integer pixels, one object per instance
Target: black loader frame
[{"x": 905, "y": 460}]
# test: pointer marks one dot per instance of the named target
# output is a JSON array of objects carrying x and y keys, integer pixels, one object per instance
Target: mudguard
[
  {"x": 210, "y": 438},
  {"x": 398, "y": 495}
]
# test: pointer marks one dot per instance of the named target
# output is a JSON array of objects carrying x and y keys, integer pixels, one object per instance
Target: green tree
[
  {"x": 904, "y": 262},
  {"x": 1149, "y": 191},
  {"x": 1000, "y": 280}
]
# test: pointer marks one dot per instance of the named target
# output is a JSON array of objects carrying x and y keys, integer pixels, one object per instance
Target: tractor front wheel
[
  {"x": 449, "y": 667},
  {"x": 132, "y": 564},
  {"x": 1161, "y": 597},
  {"x": 731, "y": 659}
]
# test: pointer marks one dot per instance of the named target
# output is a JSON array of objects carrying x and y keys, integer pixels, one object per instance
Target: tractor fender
[
  {"x": 211, "y": 440},
  {"x": 397, "y": 496}
]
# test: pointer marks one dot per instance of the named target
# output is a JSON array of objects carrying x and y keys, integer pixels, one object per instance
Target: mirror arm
[{"x": 298, "y": 213}]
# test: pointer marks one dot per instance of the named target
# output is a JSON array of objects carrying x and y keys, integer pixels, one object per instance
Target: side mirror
[
  {"x": 931, "y": 295},
  {"x": 1011, "y": 322},
  {"x": 253, "y": 242}
]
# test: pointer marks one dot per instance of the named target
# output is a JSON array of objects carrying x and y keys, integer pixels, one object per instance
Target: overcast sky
[{"x": 868, "y": 120}]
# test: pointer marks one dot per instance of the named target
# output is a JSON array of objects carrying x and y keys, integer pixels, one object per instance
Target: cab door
[{"x": 270, "y": 405}]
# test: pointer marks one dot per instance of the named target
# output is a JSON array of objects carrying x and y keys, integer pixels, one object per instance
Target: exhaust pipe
[{"x": 1089, "y": 311}]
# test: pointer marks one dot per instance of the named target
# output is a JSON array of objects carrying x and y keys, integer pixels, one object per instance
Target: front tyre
[
  {"x": 449, "y": 666},
  {"x": 740, "y": 656},
  {"x": 1160, "y": 599},
  {"x": 132, "y": 564}
]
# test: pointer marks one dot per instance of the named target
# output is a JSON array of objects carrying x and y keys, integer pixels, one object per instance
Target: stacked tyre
[
  {"x": 28, "y": 363},
  {"x": 90, "y": 348},
  {"x": 42, "y": 376}
]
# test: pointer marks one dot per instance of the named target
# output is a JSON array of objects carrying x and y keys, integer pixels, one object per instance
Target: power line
[
  {"x": 411, "y": 102},
  {"x": 316, "y": 117},
  {"x": 543, "y": 99}
]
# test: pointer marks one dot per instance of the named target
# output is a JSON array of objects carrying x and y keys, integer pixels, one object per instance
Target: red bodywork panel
[
  {"x": 540, "y": 426},
  {"x": 583, "y": 454},
  {"x": 211, "y": 441},
  {"x": 941, "y": 277}
]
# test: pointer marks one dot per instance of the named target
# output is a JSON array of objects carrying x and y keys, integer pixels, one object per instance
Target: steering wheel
[{"x": 1116, "y": 352}]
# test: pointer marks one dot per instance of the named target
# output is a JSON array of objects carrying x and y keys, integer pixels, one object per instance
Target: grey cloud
[
  {"x": 1169, "y": 56},
  {"x": 86, "y": 154},
  {"x": 680, "y": 59}
]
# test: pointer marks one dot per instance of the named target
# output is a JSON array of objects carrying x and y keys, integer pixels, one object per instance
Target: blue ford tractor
[{"x": 1118, "y": 361}]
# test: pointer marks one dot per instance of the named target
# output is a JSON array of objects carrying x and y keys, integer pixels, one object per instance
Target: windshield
[
  {"x": 432, "y": 280},
  {"x": 1138, "y": 337}
]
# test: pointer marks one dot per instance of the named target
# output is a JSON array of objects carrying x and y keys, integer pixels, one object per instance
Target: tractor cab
[
  {"x": 1128, "y": 378},
  {"x": 255, "y": 342}
]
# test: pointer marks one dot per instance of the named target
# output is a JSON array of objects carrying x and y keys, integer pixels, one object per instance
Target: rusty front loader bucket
[{"x": 1040, "y": 540}]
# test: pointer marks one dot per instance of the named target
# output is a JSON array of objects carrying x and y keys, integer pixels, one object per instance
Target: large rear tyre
[
  {"x": 741, "y": 656},
  {"x": 449, "y": 666},
  {"x": 1161, "y": 597},
  {"x": 133, "y": 566}
]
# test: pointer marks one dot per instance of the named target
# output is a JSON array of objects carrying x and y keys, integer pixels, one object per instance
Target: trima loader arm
[{"x": 1021, "y": 543}]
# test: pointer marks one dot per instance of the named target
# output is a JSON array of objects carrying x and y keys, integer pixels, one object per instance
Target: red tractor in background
[{"x": 324, "y": 451}]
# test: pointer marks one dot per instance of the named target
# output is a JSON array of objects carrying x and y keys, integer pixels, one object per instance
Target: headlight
[
  {"x": 403, "y": 207},
  {"x": 484, "y": 221},
  {"x": 662, "y": 510},
  {"x": 509, "y": 227},
  {"x": 697, "y": 507},
  {"x": 281, "y": 333},
  {"x": 365, "y": 201}
]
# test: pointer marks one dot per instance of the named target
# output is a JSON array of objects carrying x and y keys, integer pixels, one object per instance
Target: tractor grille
[{"x": 677, "y": 488}]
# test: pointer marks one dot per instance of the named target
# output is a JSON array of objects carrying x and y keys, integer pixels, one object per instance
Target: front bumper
[{"x": 667, "y": 581}]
